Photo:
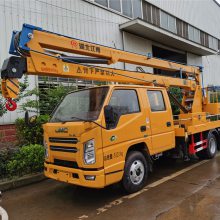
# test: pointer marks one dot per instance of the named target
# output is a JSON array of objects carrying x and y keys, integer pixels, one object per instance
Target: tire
[
  {"x": 211, "y": 150},
  {"x": 135, "y": 172}
]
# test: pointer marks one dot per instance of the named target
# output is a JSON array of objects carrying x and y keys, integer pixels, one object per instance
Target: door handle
[
  {"x": 168, "y": 124},
  {"x": 143, "y": 128}
]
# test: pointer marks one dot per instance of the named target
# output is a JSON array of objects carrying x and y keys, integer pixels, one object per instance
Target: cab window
[
  {"x": 125, "y": 101},
  {"x": 156, "y": 100}
]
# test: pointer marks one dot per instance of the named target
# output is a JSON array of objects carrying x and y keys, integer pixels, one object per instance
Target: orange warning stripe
[
  {"x": 14, "y": 82},
  {"x": 10, "y": 88}
]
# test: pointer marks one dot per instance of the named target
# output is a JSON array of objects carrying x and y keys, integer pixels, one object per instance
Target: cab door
[{"x": 161, "y": 120}]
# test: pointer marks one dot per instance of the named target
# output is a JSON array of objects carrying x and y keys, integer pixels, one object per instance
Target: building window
[
  {"x": 164, "y": 20},
  {"x": 130, "y": 8},
  {"x": 182, "y": 28},
  {"x": 197, "y": 35},
  {"x": 168, "y": 22},
  {"x": 172, "y": 24},
  {"x": 155, "y": 16},
  {"x": 102, "y": 2},
  {"x": 151, "y": 14},
  {"x": 191, "y": 33},
  {"x": 194, "y": 34},
  {"x": 213, "y": 43},
  {"x": 204, "y": 37},
  {"x": 115, "y": 5},
  {"x": 137, "y": 9},
  {"x": 127, "y": 8},
  {"x": 147, "y": 12}
]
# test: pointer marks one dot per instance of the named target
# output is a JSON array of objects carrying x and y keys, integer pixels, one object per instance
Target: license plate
[{"x": 62, "y": 175}]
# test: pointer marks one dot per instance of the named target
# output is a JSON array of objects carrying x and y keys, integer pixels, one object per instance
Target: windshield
[{"x": 84, "y": 104}]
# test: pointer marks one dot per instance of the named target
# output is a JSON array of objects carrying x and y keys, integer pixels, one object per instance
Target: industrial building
[{"x": 180, "y": 30}]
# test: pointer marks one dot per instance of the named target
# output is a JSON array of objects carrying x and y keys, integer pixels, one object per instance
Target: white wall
[
  {"x": 193, "y": 59},
  {"x": 211, "y": 70},
  {"x": 135, "y": 44},
  {"x": 211, "y": 65}
]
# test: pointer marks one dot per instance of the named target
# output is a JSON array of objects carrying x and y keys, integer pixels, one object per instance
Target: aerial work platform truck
[{"x": 112, "y": 133}]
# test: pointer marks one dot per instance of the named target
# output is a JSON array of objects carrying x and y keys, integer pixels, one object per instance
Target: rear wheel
[
  {"x": 211, "y": 149},
  {"x": 135, "y": 172}
]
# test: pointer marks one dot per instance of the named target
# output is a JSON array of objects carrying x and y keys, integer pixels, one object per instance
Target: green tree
[
  {"x": 175, "y": 91},
  {"x": 47, "y": 98}
]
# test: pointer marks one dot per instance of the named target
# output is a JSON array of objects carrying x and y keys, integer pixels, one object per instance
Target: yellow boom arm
[{"x": 45, "y": 53}]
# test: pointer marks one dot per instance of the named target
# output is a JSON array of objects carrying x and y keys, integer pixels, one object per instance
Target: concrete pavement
[{"x": 175, "y": 191}]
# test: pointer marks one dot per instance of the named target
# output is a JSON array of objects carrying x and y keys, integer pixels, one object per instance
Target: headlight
[
  {"x": 46, "y": 153},
  {"x": 89, "y": 152}
]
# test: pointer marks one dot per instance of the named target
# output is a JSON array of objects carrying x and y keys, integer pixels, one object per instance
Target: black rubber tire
[
  {"x": 207, "y": 153},
  {"x": 127, "y": 184}
]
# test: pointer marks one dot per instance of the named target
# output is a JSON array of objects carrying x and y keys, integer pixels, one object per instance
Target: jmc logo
[{"x": 61, "y": 130}]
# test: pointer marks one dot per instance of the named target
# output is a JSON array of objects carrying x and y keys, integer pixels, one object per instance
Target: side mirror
[
  {"x": 111, "y": 117},
  {"x": 30, "y": 122}
]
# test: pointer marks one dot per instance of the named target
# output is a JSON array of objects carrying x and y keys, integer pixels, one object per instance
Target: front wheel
[
  {"x": 135, "y": 172},
  {"x": 211, "y": 149}
]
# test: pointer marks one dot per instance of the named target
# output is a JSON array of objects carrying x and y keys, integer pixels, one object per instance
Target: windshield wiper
[{"x": 87, "y": 120}]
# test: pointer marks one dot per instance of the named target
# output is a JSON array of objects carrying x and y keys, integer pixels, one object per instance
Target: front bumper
[{"x": 75, "y": 176}]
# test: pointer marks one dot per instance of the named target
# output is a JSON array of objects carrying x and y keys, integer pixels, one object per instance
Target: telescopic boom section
[
  {"x": 42, "y": 39},
  {"x": 34, "y": 38},
  {"x": 40, "y": 52}
]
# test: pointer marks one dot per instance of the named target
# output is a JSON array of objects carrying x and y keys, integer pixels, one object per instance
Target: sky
[{"x": 218, "y": 1}]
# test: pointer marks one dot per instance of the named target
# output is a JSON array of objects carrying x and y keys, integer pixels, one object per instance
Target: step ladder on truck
[{"x": 111, "y": 133}]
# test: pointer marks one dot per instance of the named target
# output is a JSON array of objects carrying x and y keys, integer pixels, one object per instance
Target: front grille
[
  {"x": 63, "y": 140},
  {"x": 65, "y": 163},
  {"x": 63, "y": 149}
]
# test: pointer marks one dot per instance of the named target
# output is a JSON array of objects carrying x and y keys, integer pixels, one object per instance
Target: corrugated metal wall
[
  {"x": 203, "y": 14},
  {"x": 75, "y": 18},
  {"x": 139, "y": 45}
]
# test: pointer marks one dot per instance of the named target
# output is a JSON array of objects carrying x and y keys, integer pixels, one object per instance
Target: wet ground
[{"x": 175, "y": 190}]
